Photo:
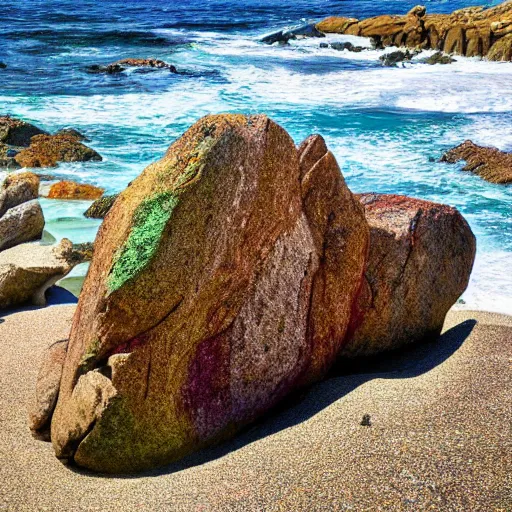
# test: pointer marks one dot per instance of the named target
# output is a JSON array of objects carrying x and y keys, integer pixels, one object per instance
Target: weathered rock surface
[
  {"x": 16, "y": 132},
  {"x": 223, "y": 278},
  {"x": 489, "y": 163},
  {"x": 438, "y": 58},
  {"x": 47, "y": 390},
  {"x": 28, "y": 270},
  {"x": 100, "y": 207},
  {"x": 471, "y": 32},
  {"x": 17, "y": 189},
  {"x": 7, "y": 160},
  {"x": 71, "y": 132},
  {"x": 394, "y": 58},
  {"x": 48, "y": 150},
  {"x": 421, "y": 256},
  {"x": 22, "y": 223},
  {"x": 283, "y": 36},
  {"x": 71, "y": 190},
  {"x": 122, "y": 65}
]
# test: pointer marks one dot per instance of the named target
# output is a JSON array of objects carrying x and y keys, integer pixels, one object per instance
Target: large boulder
[
  {"x": 71, "y": 190},
  {"x": 18, "y": 189},
  {"x": 20, "y": 224},
  {"x": 28, "y": 270},
  {"x": 223, "y": 278},
  {"x": 421, "y": 256},
  {"x": 16, "y": 132},
  {"x": 489, "y": 163},
  {"x": 48, "y": 150}
]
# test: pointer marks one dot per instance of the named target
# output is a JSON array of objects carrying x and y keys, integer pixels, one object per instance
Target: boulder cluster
[
  {"x": 124, "y": 64},
  {"x": 473, "y": 31},
  {"x": 25, "y": 145},
  {"x": 233, "y": 271},
  {"x": 27, "y": 270},
  {"x": 489, "y": 163}
]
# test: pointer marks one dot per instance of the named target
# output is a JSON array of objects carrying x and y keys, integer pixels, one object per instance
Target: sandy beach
[{"x": 440, "y": 437}]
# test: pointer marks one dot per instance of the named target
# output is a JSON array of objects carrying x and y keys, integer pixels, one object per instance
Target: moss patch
[{"x": 150, "y": 219}]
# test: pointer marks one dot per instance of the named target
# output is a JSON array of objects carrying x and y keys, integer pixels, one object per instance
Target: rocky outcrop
[
  {"x": 72, "y": 190},
  {"x": 25, "y": 145},
  {"x": 28, "y": 270},
  {"x": 100, "y": 207},
  {"x": 16, "y": 132},
  {"x": 22, "y": 223},
  {"x": 421, "y": 256},
  {"x": 48, "y": 150},
  {"x": 122, "y": 65},
  {"x": 213, "y": 291},
  {"x": 489, "y": 163},
  {"x": 3, "y": 65},
  {"x": 471, "y": 32}
]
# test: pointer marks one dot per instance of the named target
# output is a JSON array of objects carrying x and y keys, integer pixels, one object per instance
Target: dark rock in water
[
  {"x": 438, "y": 58},
  {"x": 3, "y": 65},
  {"x": 7, "y": 160},
  {"x": 79, "y": 253},
  {"x": 324, "y": 45},
  {"x": 122, "y": 65},
  {"x": 276, "y": 37},
  {"x": 71, "y": 132},
  {"x": 340, "y": 46},
  {"x": 100, "y": 207},
  {"x": 16, "y": 132},
  {"x": 393, "y": 58},
  {"x": 489, "y": 163},
  {"x": 283, "y": 36}
]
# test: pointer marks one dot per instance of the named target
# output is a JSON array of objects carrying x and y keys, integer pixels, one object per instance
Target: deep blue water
[{"x": 387, "y": 127}]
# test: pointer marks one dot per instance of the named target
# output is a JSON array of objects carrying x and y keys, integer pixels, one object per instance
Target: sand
[{"x": 440, "y": 437}]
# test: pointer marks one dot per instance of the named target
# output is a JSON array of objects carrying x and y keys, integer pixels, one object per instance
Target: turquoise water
[{"x": 387, "y": 127}]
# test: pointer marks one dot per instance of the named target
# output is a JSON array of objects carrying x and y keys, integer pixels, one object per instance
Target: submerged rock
[
  {"x": 28, "y": 270},
  {"x": 22, "y": 223},
  {"x": 421, "y": 256},
  {"x": 438, "y": 58},
  {"x": 283, "y": 36},
  {"x": 3, "y": 65},
  {"x": 48, "y": 150},
  {"x": 100, "y": 207},
  {"x": 16, "y": 132},
  {"x": 393, "y": 58},
  {"x": 340, "y": 46},
  {"x": 122, "y": 65},
  {"x": 72, "y": 190},
  {"x": 471, "y": 31},
  {"x": 223, "y": 278},
  {"x": 489, "y": 163}
]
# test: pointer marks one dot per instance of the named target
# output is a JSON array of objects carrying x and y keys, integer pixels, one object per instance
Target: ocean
[{"x": 387, "y": 126}]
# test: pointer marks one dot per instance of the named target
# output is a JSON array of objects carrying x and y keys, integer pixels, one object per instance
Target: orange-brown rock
[
  {"x": 48, "y": 150},
  {"x": 72, "y": 190},
  {"x": 489, "y": 163},
  {"x": 472, "y": 31},
  {"x": 421, "y": 256},
  {"x": 223, "y": 278}
]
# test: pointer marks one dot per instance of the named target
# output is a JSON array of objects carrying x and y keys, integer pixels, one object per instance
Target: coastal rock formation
[
  {"x": 471, "y": 32},
  {"x": 48, "y": 150},
  {"x": 489, "y": 163},
  {"x": 7, "y": 160},
  {"x": 17, "y": 189},
  {"x": 22, "y": 223},
  {"x": 421, "y": 256},
  {"x": 224, "y": 277},
  {"x": 28, "y": 270},
  {"x": 122, "y": 65},
  {"x": 71, "y": 132},
  {"x": 100, "y": 207},
  {"x": 72, "y": 190},
  {"x": 16, "y": 132}
]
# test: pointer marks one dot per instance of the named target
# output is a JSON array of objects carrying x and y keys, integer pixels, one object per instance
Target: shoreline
[{"x": 431, "y": 442}]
